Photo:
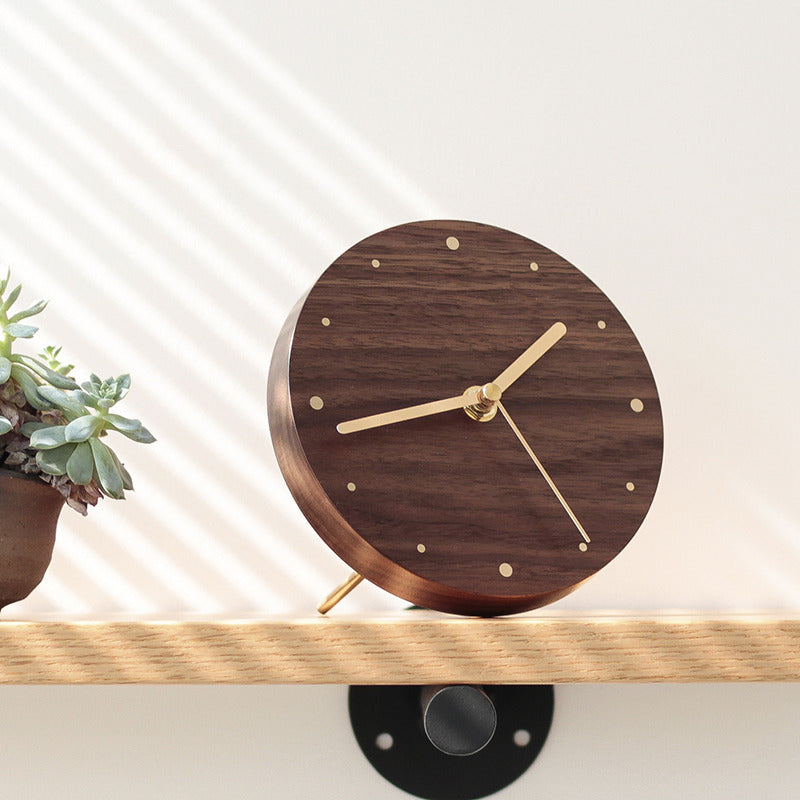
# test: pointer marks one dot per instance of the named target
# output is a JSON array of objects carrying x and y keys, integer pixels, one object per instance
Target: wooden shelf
[{"x": 405, "y": 648}]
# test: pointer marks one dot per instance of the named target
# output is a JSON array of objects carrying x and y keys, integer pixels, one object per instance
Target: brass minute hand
[
  {"x": 411, "y": 412},
  {"x": 514, "y": 371},
  {"x": 544, "y": 472},
  {"x": 521, "y": 365}
]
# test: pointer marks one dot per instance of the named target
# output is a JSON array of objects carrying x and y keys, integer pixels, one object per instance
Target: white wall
[
  {"x": 174, "y": 175},
  {"x": 206, "y": 743}
]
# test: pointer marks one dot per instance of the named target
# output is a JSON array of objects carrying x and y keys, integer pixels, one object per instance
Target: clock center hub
[{"x": 486, "y": 407}]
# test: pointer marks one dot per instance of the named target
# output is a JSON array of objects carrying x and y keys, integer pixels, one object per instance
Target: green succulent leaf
[
  {"x": 51, "y": 352},
  {"x": 29, "y": 386},
  {"x": 54, "y": 462},
  {"x": 43, "y": 371},
  {"x": 36, "y": 308},
  {"x": 5, "y": 369},
  {"x": 50, "y": 355},
  {"x": 62, "y": 400},
  {"x": 105, "y": 403},
  {"x": 80, "y": 465},
  {"x": 141, "y": 435},
  {"x": 123, "y": 385},
  {"x": 4, "y": 281},
  {"x": 127, "y": 481},
  {"x": 5, "y": 425},
  {"x": 86, "y": 399},
  {"x": 20, "y": 331},
  {"x": 49, "y": 438},
  {"x": 108, "y": 473},
  {"x": 121, "y": 423},
  {"x": 11, "y": 299},
  {"x": 29, "y": 428},
  {"x": 83, "y": 428}
]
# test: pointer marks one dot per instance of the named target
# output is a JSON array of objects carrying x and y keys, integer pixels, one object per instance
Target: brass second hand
[{"x": 544, "y": 472}]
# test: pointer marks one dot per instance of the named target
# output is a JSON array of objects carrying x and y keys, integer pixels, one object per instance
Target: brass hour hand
[
  {"x": 411, "y": 412},
  {"x": 521, "y": 365}
]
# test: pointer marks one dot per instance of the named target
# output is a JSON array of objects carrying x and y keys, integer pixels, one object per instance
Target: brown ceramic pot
[{"x": 29, "y": 510}]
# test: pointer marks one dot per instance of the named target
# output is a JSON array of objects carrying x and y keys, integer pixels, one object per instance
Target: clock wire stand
[{"x": 339, "y": 593}]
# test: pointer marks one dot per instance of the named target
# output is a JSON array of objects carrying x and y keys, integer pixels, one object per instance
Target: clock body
[{"x": 445, "y": 511}]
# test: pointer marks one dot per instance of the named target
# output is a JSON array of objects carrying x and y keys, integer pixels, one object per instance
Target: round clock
[{"x": 465, "y": 418}]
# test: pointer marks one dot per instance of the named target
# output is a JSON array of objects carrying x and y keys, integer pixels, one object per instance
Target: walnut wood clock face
[{"x": 465, "y": 418}]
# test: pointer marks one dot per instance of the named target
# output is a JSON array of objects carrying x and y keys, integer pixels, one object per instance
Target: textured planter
[{"x": 29, "y": 510}]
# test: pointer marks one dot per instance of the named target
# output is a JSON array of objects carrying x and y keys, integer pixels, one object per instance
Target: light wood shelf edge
[{"x": 407, "y": 648}]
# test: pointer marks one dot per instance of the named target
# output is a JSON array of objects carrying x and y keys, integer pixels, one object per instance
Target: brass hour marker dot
[
  {"x": 420, "y": 548},
  {"x": 601, "y": 324},
  {"x": 351, "y": 487},
  {"x": 316, "y": 402},
  {"x": 534, "y": 266},
  {"x": 506, "y": 570},
  {"x": 583, "y": 547},
  {"x": 326, "y": 321},
  {"x": 376, "y": 263},
  {"x": 637, "y": 405},
  {"x": 452, "y": 242},
  {"x": 630, "y": 486}
]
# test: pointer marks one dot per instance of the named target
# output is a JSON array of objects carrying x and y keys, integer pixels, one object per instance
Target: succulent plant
[{"x": 54, "y": 427}]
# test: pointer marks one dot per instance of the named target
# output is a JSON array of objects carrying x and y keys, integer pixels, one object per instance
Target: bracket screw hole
[
  {"x": 385, "y": 741},
  {"x": 522, "y": 738}
]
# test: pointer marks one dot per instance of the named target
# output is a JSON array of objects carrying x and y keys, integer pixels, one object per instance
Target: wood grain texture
[
  {"x": 409, "y": 648},
  {"x": 430, "y": 509}
]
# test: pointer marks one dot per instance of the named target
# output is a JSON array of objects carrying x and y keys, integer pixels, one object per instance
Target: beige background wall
[{"x": 174, "y": 175}]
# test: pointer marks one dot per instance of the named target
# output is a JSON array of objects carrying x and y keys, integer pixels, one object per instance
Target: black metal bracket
[{"x": 454, "y": 742}]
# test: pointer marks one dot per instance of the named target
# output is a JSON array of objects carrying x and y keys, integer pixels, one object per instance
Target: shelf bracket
[{"x": 457, "y": 742}]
